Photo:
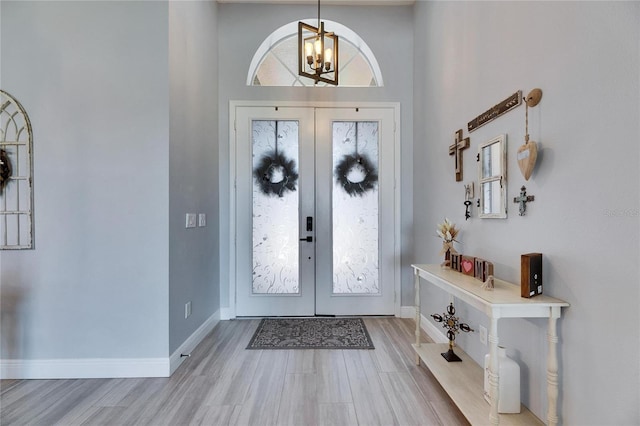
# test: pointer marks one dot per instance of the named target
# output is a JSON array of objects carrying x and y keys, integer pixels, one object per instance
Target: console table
[{"x": 464, "y": 380}]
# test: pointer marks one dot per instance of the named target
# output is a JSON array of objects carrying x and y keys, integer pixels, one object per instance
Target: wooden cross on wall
[{"x": 456, "y": 150}]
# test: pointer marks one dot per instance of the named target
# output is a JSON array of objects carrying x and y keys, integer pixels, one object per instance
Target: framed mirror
[{"x": 492, "y": 159}]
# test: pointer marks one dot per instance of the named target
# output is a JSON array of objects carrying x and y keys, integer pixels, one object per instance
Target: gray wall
[
  {"x": 243, "y": 27},
  {"x": 93, "y": 77},
  {"x": 193, "y": 166},
  {"x": 585, "y": 58},
  {"x": 122, "y": 98}
]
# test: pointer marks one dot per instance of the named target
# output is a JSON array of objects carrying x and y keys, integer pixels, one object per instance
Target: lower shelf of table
[{"x": 464, "y": 382}]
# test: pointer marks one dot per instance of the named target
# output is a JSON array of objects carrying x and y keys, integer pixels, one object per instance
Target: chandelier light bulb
[
  {"x": 328, "y": 55},
  {"x": 318, "y": 48}
]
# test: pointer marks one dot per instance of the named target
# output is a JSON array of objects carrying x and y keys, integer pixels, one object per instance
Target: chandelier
[{"x": 317, "y": 52}]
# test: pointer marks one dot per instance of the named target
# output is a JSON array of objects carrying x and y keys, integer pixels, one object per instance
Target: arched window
[{"x": 275, "y": 63}]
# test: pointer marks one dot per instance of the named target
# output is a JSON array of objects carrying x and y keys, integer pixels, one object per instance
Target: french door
[{"x": 315, "y": 211}]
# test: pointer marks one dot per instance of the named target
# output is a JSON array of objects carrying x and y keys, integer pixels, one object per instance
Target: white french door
[{"x": 315, "y": 211}]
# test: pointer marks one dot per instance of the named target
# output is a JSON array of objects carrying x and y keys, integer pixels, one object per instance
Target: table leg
[
  {"x": 494, "y": 368},
  {"x": 552, "y": 369}
]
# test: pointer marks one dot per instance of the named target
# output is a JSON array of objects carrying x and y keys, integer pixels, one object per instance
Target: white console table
[{"x": 464, "y": 380}]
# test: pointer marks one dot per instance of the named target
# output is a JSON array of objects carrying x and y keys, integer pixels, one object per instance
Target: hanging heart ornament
[
  {"x": 527, "y": 156},
  {"x": 528, "y": 153}
]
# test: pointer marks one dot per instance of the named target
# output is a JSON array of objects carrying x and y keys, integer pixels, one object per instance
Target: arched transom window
[{"x": 275, "y": 63}]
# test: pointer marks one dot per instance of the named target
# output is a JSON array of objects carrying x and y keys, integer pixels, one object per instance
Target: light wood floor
[{"x": 224, "y": 384}]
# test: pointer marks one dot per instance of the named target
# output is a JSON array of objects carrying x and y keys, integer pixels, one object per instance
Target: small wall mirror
[{"x": 492, "y": 158}]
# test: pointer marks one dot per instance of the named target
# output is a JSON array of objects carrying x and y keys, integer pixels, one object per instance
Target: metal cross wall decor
[
  {"x": 456, "y": 150},
  {"x": 523, "y": 199}
]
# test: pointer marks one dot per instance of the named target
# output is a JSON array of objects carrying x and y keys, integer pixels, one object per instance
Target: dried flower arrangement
[{"x": 448, "y": 232}]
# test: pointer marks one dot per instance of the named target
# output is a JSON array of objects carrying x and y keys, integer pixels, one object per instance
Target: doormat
[{"x": 311, "y": 333}]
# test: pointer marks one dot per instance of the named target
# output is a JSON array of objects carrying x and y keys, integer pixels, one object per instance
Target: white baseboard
[
  {"x": 427, "y": 326},
  {"x": 407, "y": 312},
  {"x": 432, "y": 331},
  {"x": 100, "y": 368},
  {"x": 227, "y": 313},
  {"x": 192, "y": 341},
  {"x": 85, "y": 368}
]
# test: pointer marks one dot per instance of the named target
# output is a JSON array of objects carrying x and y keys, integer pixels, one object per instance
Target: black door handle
[{"x": 308, "y": 239}]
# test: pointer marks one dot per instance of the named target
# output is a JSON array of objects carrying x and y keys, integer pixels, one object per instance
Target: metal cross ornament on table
[
  {"x": 523, "y": 199},
  {"x": 453, "y": 325},
  {"x": 456, "y": 150}
]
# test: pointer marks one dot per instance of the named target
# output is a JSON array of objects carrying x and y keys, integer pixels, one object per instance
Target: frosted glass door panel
[
  {"x": 275, "y": 207},
  {"x": 355, "y": 208}
]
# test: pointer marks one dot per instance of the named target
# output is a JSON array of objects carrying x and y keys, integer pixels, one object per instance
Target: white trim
[
  {"x": 407, "y": 312},
  {"x": 397, "y": 194},
  {"x": 87, "y": 368},
  {"x": 231, "y": 249},
  {"x": 432, "y": 331},
  {"x": 105, "y": 368},
  {"x": 192, "y": 341},
  {"x": 230, "y": 311},
  {"x": 226, "y": 314},
  {"x": 311, "y": 104},
  {"x": 427, "y": 326},
  {"x": 291, "y": 29}
]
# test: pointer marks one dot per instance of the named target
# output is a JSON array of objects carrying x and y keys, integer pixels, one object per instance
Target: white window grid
[
  {"x": 354, "y": 55},
  {"x": 16, "y": 199}
]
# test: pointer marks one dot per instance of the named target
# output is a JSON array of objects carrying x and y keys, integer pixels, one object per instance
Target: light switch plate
[
  {"x": 202, "y": 219},
  {"x": 191, "y": 220},
  {"x": 483, "y": 335},
  {"x": 469, "y": 191}
]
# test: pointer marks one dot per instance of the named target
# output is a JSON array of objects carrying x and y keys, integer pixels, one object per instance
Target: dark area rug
[{"x": 311, "y": 333}]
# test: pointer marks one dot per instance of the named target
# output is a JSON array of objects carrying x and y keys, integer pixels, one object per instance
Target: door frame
[{"x": 232, "y": 243}]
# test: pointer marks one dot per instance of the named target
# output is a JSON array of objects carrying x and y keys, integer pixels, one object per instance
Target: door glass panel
[
  {"x": 355, "y": 207},
  {"x": 275, "y": 207}
]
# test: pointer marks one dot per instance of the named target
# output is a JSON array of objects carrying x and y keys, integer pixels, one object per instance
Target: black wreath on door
[
  {"x": 356, "y": 174},
  {"x": 276, "y": 174}
]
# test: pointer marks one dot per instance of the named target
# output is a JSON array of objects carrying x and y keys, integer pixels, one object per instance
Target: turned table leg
[
  {"x": 494, "y": 368},
  {"x": 552, "y": 369}
]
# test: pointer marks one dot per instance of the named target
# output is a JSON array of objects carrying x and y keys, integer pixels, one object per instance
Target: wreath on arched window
[
  {"x": 5, "y": 169},
  {"x": 276, "y": 173},
  {"x": 355, "y": 173}
]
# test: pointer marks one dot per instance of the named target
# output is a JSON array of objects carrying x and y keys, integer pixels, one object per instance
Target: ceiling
[{"x": 328, "y": 2}]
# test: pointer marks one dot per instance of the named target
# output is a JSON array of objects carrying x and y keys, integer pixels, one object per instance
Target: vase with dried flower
[{"x": 448, "y": 232}]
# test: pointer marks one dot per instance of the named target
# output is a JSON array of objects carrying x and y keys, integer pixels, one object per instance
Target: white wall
[
  {"x": 193, "y": 166},
  {"x": 585, "y": 217},
  {"x": 93, "y": 77},
  {"x": 243, "y": 27}
]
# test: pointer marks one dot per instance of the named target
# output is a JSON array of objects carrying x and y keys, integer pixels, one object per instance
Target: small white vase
[{"x": 509, "y": 382}]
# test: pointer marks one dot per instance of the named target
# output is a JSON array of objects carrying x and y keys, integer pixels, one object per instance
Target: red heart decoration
[{"x": 467, "y": 266}]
